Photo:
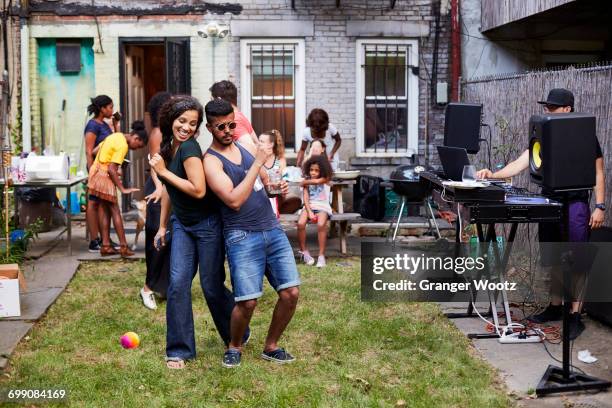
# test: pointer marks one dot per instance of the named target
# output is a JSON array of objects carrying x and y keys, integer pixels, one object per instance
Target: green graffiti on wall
[{"x": 64, "y": 97}]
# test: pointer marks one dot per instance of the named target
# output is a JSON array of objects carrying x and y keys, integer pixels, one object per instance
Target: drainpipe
[
  {"x": 26, "y": 125},
  {"x": 455, "y": 51}
]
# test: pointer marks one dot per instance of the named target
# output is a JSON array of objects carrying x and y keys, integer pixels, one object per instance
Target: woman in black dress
[{"x": 158, "y": 260}]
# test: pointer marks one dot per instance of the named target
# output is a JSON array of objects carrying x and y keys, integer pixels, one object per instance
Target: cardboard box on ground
[{"x": 11, "y": 281}]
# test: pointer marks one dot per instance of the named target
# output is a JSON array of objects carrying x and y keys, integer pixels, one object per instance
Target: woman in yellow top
[{"x": 104, "y": 181}]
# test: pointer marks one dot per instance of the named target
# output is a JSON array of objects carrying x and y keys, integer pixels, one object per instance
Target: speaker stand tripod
[{"x": 563, "y": 379}]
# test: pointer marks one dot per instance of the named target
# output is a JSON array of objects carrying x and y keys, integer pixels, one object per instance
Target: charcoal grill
[{"x": 406, "y": 184}]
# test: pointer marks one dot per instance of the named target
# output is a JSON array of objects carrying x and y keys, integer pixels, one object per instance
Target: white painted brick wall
[
  {"x": 330, "y": 57},
  {"x": 330, "y": 54}
]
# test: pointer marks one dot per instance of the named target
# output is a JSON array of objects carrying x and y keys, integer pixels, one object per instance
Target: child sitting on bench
[{"x": 316, "y": 191}]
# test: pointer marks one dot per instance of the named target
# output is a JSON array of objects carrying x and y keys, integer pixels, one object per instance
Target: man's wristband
[{"x": 601, "y": 206}]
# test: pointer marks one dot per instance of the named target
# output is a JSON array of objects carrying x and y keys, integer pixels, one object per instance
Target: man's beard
[{"x": 221, "y": 140}]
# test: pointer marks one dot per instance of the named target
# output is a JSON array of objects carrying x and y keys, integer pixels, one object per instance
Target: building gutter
[
  {"x": 455, "y": 50},
  {"x": 26, "y": 125}
]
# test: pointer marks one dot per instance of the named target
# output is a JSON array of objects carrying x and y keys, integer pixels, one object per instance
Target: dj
[{"x": 576, "y": 216}]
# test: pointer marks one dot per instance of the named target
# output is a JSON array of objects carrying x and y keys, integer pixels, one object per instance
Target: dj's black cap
[{"x": 559, "y": 97}]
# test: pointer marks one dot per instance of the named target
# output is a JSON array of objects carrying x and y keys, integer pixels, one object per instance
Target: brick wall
[
  {"x": 330, "y": 61},
  {"x": 330, "y": 53}
]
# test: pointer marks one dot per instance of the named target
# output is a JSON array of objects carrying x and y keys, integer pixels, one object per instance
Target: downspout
[
  {"x": 26, "y": 125},
  {"x": 455, "y": 51},
  {"x": 434, "y": 64}
]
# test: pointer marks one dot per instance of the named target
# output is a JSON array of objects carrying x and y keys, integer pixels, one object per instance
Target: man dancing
[{"x": 254, "y": 239}]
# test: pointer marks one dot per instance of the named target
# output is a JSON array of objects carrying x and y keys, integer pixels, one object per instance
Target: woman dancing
[{"x": 197, "y": 236}]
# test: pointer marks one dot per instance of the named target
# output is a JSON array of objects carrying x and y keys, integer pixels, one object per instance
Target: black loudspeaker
[
  {"x": 562, "y": 151},
  {"x": 462, "y": 126}
]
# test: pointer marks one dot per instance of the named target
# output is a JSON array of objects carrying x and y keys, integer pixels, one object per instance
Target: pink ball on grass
[{"x": 130, "y": 340}]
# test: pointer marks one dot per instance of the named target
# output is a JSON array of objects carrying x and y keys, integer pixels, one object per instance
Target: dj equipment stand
[
  {"x": 563, "y": 379},
  {"x": 491, "y": 205}
]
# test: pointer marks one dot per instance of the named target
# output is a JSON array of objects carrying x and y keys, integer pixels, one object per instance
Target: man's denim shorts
[{"x": 248, "y": 254}]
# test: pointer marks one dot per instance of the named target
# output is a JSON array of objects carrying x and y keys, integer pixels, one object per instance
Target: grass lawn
[{"x": 349, "y": 353}]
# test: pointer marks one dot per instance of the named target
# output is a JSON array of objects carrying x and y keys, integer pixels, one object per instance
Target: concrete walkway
[{"x": 521, "y": 366}]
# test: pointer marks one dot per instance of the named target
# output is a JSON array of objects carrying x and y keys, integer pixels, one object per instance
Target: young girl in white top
[
  {"x": 319, "y": 128},
  {"x": 317, "y": 173},
  {"x": 276, "y": 162}
]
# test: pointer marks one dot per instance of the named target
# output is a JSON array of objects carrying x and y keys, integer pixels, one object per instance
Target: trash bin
[
  {"x": 369, "y": 197},
  {"x": 34, "y": 203}
]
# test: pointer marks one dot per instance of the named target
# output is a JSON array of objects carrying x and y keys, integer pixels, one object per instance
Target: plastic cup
[{"x": 274, "y": 182}]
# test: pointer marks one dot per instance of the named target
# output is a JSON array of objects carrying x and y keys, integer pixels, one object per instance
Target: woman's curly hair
[{"x": 171, "y": 110}]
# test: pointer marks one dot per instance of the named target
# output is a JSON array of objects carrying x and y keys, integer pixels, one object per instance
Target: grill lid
[{"x": 408, "y": 172}]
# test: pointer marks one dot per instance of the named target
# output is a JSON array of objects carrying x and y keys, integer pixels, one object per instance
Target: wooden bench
[
  {"x": 334, "y": 217},
  {"x": 342, "y": 218}
]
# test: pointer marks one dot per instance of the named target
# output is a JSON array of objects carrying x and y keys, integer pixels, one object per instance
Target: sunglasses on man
[{"x": 221, "y": 126}]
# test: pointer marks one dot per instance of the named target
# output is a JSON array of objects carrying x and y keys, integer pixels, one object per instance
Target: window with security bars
[
  {"x": 272, "y": 68},
  {"x": 388, "y": 98}
]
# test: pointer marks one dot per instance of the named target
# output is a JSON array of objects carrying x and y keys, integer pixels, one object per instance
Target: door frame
[
  {"x": 123, "y": 106},
  {"x": 123, "y": 41}
]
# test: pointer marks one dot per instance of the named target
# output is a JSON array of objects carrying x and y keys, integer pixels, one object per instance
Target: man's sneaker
[
  {"x": 231, "y": 358},
  {"x": 576, "y": 327},
  {"x": 321, "y": 261},
  {"x": 552, "y": 312},
  {"x": 308, "y": 260},
  {"x": 94, "y": 245},
  {"x": 148, "y": 299},
  {"x": 279, "y": 356}
]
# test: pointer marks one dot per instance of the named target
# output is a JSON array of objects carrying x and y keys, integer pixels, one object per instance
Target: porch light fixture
[{"x": 214, "y": 29}]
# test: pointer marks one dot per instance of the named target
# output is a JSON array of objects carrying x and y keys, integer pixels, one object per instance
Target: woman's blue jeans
[{"x": 201, "y": 244}]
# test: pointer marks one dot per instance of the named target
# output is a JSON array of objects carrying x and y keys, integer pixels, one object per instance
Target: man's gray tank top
[{"x": 256, "y": 213}]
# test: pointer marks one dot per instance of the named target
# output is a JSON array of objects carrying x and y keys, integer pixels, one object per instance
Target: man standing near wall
[
  {"x": 254, "y": 239},
  {"x": 576, "y": 220}
]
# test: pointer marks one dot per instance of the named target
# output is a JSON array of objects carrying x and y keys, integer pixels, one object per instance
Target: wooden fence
[{"x": 509, "y": 101}]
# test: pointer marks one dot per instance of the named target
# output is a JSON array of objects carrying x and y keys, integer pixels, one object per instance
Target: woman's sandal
[
  {"x": 125, "y": 251},
  {"x": 175, "y": 363},
  {"x": 108, "y": 250}
]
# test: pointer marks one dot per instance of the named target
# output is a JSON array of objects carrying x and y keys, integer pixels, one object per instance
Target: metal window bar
[
  {"x": 391, "y": 98},
  {"x": 396, "y": 91},
  {"x": 375, "y": 99},
  {"x": 386, "y": 108},
  {"x": 278, "y": 104}
]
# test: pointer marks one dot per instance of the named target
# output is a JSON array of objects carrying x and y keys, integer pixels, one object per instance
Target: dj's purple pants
[
  {"x": 576, "y": 215},
  {"x": 574, "y": 227}
]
